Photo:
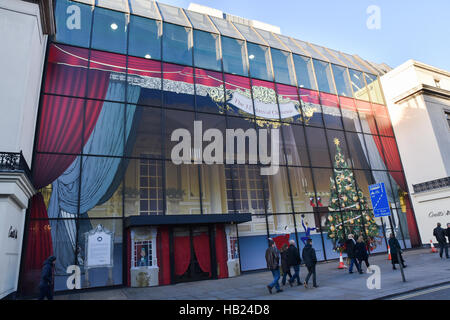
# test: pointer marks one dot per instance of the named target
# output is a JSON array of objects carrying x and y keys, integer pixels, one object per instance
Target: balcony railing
[
  {"x": 432, "y": 185},
  {"x": 14, "y": 161}
]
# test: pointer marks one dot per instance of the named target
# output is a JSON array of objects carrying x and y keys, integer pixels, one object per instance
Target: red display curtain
[
  {"x": 182, "y": 254},
  {"x": 281, "y": 240},
  {"x": 202, "y": 252},
  {"x": 393, "y": 163},
  {"x": 39, "y": 244},
  {"x": 221, "y": 252},
  {"x": 163, "y": 255},
  {"x": 60, "y": 130}
]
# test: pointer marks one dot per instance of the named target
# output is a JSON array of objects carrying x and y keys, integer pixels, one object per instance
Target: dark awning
[{"x": 186, "y": 219}]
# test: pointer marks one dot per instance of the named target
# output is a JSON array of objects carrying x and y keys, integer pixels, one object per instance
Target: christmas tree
[{"x": 348, "y": 207}]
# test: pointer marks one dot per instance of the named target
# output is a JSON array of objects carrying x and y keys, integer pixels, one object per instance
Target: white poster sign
[{"x": 99, "y": 248}]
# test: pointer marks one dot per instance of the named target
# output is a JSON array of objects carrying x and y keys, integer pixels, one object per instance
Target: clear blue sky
[{"x": 410, "y": 29}]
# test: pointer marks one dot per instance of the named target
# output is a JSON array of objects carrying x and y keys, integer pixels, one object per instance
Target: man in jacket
[
  {"x": 47, "y": 277},
  {"x": 447, "y": 232},
  {"x": 440, "y": 234},
  {"x": 350, "y": 245},
  {"x": 310, "y": 260},
  {"x": 294, "y": 261},
  {"x": 273, "y": 264}
]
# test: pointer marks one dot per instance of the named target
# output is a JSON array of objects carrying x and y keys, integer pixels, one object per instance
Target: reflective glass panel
[
  {"x": 304, "y": 72},
  {"x": 110, "y": 31},
  {"x": 282, "y": 67},
  {"x": 177, "y": 44},
  {"x": 234, "y": 56},
  {"x": 342, "y": 81},
  {"x": 323, "y": 74},
  {"x": 358, "y": 85},
  {"x": 259, "y": 60},
  {"x": 144, "y": 38},
  {"x": 73, "y": 23},
  {"x": 207, "y": 50}
]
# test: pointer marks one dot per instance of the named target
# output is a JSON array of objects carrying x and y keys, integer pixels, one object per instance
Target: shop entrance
[{"x": 192, "y": 256}]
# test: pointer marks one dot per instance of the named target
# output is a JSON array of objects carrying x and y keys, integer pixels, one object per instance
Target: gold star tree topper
[{"x": 336, "y": 141}]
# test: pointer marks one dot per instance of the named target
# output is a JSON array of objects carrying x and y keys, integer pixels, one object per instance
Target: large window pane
[
  {"x": 147, "y": 75},
  {"x": 73, "y": 23},
  {"x": 279, "y": 192},
  {"x": 318, "y": 149},
  {"x": 238, "y": 96},
  {"x": 342, "y": 81},
  {"x": 265, "y": 102},
  {"x": 179, "y": 120},
  {"x": 349, "y": 114},
  {"x": 259, "y": 59},
  {"x": 177, "y": 44},
  {"x": 182, "y": 189},
  {"x": 234, "y": 56},
  {"x": 338, "y": 148},
  {"x": 144, "y": 38},
  {"x": 216, "y": 195},
  {"x": 209, "y": 89},
  {"x": 323, "y": 74},
  {"x": 294, "y": 146},
  {"x": 109, "y": 31},
  {"x": 331, "y": 112},
  {"x": 359, "y": 87},
  {"x": 312, "y": 110},
  {"x": 178, "y": 87},
  {"x": 289, "y": 104},
  {"x": 282, "y": 67},
  {"x": 302, "y": 189},
  {"x": 304, "y": 72},
  {"x": 358, "y": 151},
  {"x": 207, "y": 50},
  {"x": 374, "y": 88}
]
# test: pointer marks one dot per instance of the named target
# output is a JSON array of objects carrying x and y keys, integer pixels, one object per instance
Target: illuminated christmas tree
[{"x": 348, "y": 207}]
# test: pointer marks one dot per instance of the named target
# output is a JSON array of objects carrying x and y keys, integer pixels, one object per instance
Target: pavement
[{"x": 424, "y": 270}]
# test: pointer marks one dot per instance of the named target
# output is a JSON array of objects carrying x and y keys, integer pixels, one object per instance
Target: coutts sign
[{"x": 438, "y": 214}]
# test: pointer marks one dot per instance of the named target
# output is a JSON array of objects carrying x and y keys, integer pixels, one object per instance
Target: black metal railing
[
  {"x": 14, "y": 161},
  {"x": 432, "y": 185}
]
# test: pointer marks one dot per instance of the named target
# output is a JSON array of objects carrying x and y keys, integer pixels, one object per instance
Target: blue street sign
[{"x": 380, "y": 203}]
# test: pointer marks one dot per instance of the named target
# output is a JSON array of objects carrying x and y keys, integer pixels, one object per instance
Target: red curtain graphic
[
  {"x": 393, "y": 163},
  {"x": 182, "y": 254},
  {"x": 281, "y": 240},
  {"x": 163, "y": 255},
  {"x": 202, "y": 252},
  {"x": 39, "y": 244},
  {"x": 221, "y": 252}
]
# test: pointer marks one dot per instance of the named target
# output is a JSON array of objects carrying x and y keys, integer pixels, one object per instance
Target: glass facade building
[{"x": 121, "y": 76}]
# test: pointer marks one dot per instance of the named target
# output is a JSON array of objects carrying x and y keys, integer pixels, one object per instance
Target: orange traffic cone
[
  {"x": 389, "y": 253},
  {"x": 433, "y": 249},
  {"x": 341, "y": 262}
]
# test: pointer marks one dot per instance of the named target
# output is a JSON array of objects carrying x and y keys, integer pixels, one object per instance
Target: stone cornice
[
  {"x": 17, "y": 186},
  {"x": 422, "y": 89}
]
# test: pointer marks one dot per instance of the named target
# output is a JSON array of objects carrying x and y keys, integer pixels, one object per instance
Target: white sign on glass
[{"x": 99, "y": 248}]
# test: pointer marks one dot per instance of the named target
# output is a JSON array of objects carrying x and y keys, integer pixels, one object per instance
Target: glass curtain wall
[{"x": 105, "y": 143}]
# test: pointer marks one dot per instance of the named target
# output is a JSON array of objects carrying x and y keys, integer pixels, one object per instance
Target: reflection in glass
[
  {"x": 342, "y": 81},
  {"x": 145, "y": 38},
  {"x": 234, "y": 56},
  {"x": 358, "y": 85},
  {"x": 304, "y": 72},
  {"x": 318, "y": 149},
  {"x": 323, "y": 74},
  {"x": 259, "y": 60},
  {"x": 207, "y": 50},
  {"x": 109, "y": 31},
  {"x": 374, "y": 88},
  {"x": 73, "y": 23},
  {"x": 283, "y": 67},
  {"x": 216, "y": 194},
  {"x": 177, "y": 44}
]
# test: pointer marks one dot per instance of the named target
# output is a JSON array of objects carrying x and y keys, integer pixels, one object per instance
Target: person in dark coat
[
  {"x": 350, "y": 245},
  {"x": 440, "y": 234},
  {"x": 285, "y": 265},
  {"x": 396, "y": 251},
  {"x": 294, "y": 261},
  {"x": 273, "y": 264},
  {"x": 47, "y": 279},
  {"x": 447, "y": 231},
  {"x": 361, "y": 252},
  {"x": 310, "y": 260}
]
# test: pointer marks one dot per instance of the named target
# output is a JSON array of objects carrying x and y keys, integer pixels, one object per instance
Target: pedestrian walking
[
  {"x": 310, "y": 260},
  {"x": 273, "y": 264},
  {"x": 46, "y": 285},
  {"x": 294, "y": 262},
  {"x": 362, "y": 253},
  {"x": 285, "y": 265},
  {"x": 396, "y": 251},
  {"x": 447, "y": 232},
  {"x": 350, "y": 245},
  {"x": 440, "y": 234}
]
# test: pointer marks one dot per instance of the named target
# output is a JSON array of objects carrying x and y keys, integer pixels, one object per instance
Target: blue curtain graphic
[{"x": 101, "y": 175}]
